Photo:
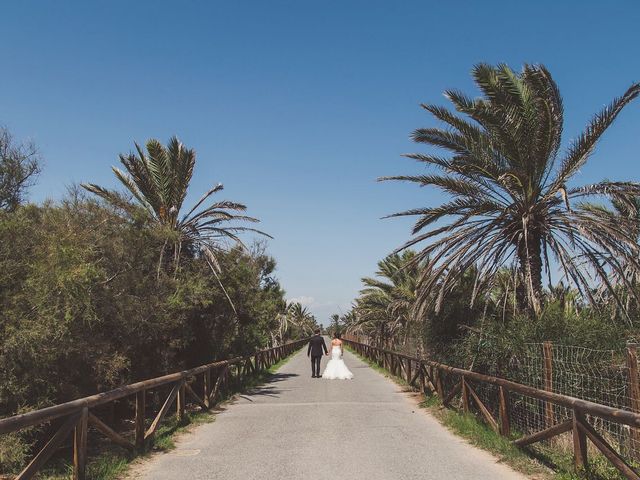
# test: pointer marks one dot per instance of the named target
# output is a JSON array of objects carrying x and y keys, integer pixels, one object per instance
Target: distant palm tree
[
  {"x": 348, "y": 321},
  {"x": 386, "y": 304},
  {"x": 501, "y": 292},
  {"x": 159, "y": 180},
  {"x": 511, "y": 203},
  {"x": 566, "y": 297},
  {"x": 334, "y": 326},
  {"x": 301, "y": 318},
  {"x": 294, "y": 321}
]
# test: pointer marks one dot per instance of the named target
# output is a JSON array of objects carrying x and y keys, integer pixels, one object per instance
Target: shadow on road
[
  {"x": 268, "y": 390},
  {"x": 279, "y": 377}
]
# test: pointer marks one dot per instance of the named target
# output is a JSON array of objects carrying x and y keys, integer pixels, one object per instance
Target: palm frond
[
  {"x": 507, "y": 207},
  {"x": 581, "y": 148}
]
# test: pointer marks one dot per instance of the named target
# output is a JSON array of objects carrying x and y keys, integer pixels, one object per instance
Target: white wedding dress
[{"x": 336, "y": 368}]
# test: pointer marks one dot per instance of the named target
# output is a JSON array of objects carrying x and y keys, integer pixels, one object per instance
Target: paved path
[{"x": 297, "y": 427}]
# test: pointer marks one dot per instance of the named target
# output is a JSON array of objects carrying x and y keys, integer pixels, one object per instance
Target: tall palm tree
[
  {"x": 510, "y": 200},
  {"x": 158, "y": 181}
]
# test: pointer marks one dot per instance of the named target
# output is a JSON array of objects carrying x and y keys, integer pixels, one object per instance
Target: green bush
[
  {"x": 13, "y": 452},
  {"x": 84, "y": 307}
]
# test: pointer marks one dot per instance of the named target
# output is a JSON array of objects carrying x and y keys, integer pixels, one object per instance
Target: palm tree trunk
[{"x": 529, "y": 289}]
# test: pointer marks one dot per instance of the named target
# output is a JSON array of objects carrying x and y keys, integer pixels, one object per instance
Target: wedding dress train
[{"x": 336, "y": 368}]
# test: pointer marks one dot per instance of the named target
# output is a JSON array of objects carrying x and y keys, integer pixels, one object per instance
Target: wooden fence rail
[
  {"x": 76, "y": 416},
  {"x": 426, "y": 374}
]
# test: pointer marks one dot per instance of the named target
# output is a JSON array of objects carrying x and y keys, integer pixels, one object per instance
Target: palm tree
[
  {"x": 386, "y": 304},
  {"x": 510, "y": 200},
  {"x": 302, "y": 318},
  {"x": 293, "y": 321},
  {"x": 279, "y": 332},
  {"x": 628, "y": 279},
  {"x": 349, "y": 322},
  {"x": 158, "y": 181}
]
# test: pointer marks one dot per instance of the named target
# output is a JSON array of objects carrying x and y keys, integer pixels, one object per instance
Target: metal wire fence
[
  {"x": 601, "y": 376},
  {"x": 606, "y": 377}
]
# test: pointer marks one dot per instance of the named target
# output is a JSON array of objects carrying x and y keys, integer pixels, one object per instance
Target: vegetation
[
  {"x": 483, "y": 286},
  {"x": 295, "y": 321},
  {"x": 100, "y": 292},
  {"x": 19, "y": 167},
  {"x": 511, "y": 204},
  {"x": 102, "y": 289},
  {"x": 384, "y": 308},
  {"x": 159, "y": 181},
  {"x": 474, "y": 294}
]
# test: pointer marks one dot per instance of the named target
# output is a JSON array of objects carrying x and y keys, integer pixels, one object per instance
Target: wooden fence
[
  {"x": 430, "y": 375},
  {"x": 76, "y": 416}
]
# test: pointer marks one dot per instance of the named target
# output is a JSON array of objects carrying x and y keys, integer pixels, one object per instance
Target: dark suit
[{"x": 316, "y": 346}]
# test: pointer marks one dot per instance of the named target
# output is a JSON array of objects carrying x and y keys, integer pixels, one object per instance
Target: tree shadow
[
  {"x": 279, "y": 377},
  {"x": 267, "y": 389}
]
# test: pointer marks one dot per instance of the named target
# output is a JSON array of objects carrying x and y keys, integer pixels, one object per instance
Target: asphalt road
[{"x": 298, "y": 427}]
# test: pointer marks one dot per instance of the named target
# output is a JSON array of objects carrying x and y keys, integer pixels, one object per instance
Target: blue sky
[{"x": 297, "y": 106}]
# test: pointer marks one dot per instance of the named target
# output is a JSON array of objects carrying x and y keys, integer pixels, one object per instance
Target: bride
[{"x": 336, "y": 369}]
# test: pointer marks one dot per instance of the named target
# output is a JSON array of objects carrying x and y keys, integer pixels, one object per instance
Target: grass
[
  {"x": 540, "y": 462},
  {"x": 167, "y": 432},
  {"x": 107, "y": 467},
  {"x": 481, "y": 436},
  {"x": 111, "y": 463}
]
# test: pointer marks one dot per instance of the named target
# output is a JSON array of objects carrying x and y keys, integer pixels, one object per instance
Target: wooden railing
[
  {"x": 77, "y": 415},
  {"x": 429, "y": 375}
]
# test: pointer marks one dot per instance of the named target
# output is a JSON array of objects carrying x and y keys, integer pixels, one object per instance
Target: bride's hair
[{"x": 336, "y": 334}]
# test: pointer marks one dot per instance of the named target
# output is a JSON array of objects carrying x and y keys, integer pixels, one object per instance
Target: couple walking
[{"x": 336, "y": 368}]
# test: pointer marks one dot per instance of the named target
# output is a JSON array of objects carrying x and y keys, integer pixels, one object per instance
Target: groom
[{"x": 316, "y": 345}]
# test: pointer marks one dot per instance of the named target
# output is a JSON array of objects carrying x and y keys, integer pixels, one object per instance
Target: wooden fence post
[
  {"x": 140, "y": 417},
  {"x": 634, "y": 395},
  {"x": 465, "y": 395},
  {"x": 439, "y": 389},
  {"x": 207, "y": 387},
  {"x": 547, "y": 350},
  {"x": 80, "y": 446},
  {"x": 180, "y": 405},
  {"x": 579, "y": 442},
  {"x": 503, "y": 400}
]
